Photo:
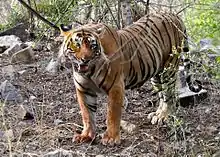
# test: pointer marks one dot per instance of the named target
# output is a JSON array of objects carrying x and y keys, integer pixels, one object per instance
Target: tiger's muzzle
[{"x": 82, "y": 66}]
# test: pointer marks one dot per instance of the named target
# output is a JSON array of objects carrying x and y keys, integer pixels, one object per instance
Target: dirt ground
[{"x": 193, "y": 131}]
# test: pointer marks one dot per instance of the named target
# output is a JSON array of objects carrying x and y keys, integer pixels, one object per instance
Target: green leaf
[
  {"x": 217, "y": 77},
  {"x": 218, "y": 59}
]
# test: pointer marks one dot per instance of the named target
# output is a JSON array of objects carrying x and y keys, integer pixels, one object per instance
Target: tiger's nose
[{"x": 85, "y": 60}]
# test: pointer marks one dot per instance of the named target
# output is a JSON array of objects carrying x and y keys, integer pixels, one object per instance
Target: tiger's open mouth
[{"x": 82, "y": 68}]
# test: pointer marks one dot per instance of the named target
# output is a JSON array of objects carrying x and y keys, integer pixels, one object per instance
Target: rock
[
  {"x": 3, "y": 48},
  {"x": 60, "y": 153},
  {"x": 9, "y": 134},
  {"x": 12, "y": 49},
  {"x": 199, "y": 128},
  {"x": 212, "y": 130},
  {"x": 9, "y": 93},
  {"x": 57, "y": 121},
  {"x": 31, "y": 98},
  {"x": 73, "y": 110},
  {"x": 19, "y": 30},
  {"x": 21, "y": 72},
  {"x": 128, "y": 127},
  {"x": 8, "y": 71},
  {"x": 1, "y": 134},
  {"x": 9, "y": 40},
  {"x": 213, "y": 57},
  {"x": 25, "y": 155},
  {"x": 52, "y": 67},
  {"x": 100, "y": 155},
  {"x": 205, "y": 43},
  {"x": 5, "y": 10},
  {"x": 25, "y": 56},
  {"x": 24, "y": 114},
  {"x": 29, "y": 43},
  {"x": 217, "y": 154},
  {"x": 38, "y": 47},
  {"x": 188, "y": 98}
]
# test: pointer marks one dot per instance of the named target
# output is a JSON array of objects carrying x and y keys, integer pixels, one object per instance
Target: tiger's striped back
[{"x": 147, "y": 44}]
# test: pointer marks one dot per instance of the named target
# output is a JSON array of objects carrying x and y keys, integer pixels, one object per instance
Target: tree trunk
[{"x": 126, "y": 13}]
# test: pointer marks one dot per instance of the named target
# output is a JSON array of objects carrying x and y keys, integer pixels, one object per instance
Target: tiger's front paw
[
  {"x": 108, "y": 139},
  {"x": 84, "y": 137},
  {"x": 160, "y": 115}
]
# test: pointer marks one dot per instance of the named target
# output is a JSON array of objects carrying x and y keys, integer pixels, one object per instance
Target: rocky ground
[{"x": 43, "y": 115}]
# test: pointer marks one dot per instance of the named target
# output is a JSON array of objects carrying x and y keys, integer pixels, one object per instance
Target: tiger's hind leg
[
  {"x": 166, "y": 81},
  {"x": 157, "y": 87}
]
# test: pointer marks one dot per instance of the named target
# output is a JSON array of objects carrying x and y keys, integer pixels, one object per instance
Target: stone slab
[{"x": 189, "y": 98}]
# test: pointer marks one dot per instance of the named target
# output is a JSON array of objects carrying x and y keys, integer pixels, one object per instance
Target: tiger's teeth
[{"x": 83, "y": 68}]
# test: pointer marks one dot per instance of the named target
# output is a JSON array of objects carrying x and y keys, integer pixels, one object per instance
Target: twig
[
  {"x": 183, "y": 9},
  {"x": 112, "y": 14},
  {"x": 119, "y": 13},
  {"x": 65, "y": 12},
  {"x": 147, "y": 7},
  {"x": 103, "y": 15},
  {"x": 38, "y": 15}
]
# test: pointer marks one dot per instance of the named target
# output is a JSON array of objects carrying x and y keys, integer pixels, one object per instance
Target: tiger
[{"x": 107, "y": 60}]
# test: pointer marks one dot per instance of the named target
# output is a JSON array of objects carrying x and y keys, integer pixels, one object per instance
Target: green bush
[
  {"x": 56, "y": 10},
  {"x": 17, "y": 15},
  {"x": 202, "y": 20}
]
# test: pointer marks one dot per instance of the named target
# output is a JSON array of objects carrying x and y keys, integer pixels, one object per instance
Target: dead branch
[{"x": 38, "y": 15}]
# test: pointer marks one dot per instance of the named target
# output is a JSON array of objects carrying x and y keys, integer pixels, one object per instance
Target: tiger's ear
[
  {"x": 109, "y": 40},
  {"x": 65, "y": 30},
  {"x": 101, "y": 31}
]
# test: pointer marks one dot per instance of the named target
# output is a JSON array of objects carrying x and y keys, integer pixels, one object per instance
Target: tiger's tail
[{"x": 194, "y": 85}]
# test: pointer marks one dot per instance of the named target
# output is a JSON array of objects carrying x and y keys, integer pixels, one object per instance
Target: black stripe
[
  {"x": 154, "y": 34},
  {"x": 147, "y": 76},
  {"x": 159, "y": 31},
  {"x": 103, "y": 79},
  {"x": 89, "y": 94},
  {"x": 131, "y": 68},
  {"x": 68, "y": 44},
  {"x": 109, "y": 30},
  {"x": 92, "y": 72},
  {"x": 126, "y": 39},
  {"x": 112, "y": 83},
  {"x": 103, "y": 68},
  {"x": 176, "y": 25},
  {"x": 180, "y": 27},
  {"x": 92, "y": 108},
  {"x": 132, "y": 75},
  {"x": 130, "y": 53},
  {"x": 134, "y": 81},
  {"x": 154, "y": 45},
  {"x": 164, "y": 24},
  {"x": 86, "y": 89},
  {"x": 147, "y": 47},
  {"x": 142, "y": 66},
  {"x": 173, "y": 27}
]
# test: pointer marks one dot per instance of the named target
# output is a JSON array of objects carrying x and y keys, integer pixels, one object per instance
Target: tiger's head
[{"x": 81, "y": 47}]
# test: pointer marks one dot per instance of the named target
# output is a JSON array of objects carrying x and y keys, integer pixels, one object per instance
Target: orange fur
[
  {"x": 115, "y": 102},
  {"x": 88, "y": 132}
]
